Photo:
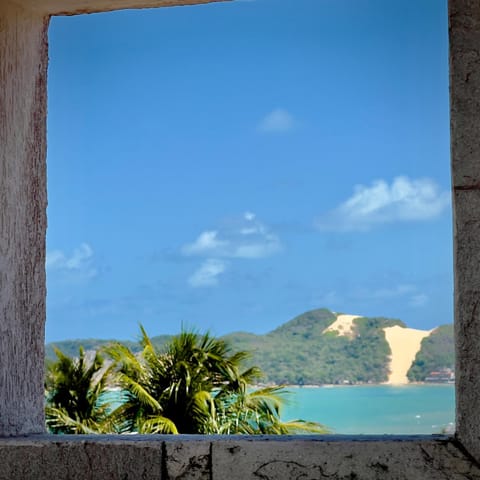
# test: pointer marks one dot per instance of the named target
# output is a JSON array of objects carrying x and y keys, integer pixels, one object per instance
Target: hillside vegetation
[
  {"x": 299, "y": 352},
  {"x": 71, "y": 347},
  {"x": 437, "y": 353}
]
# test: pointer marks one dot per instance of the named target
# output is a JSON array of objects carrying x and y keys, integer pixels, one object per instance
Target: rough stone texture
[
  {"x": 464, "y": 29},
  {"x": 23, "y": 64},
  {"x": 23, "y": 200},
  {"x": 75, "y": 7},
  {"x": 80, "y": 459},
  {"x": 230, "y": 458},
  {"x": 187, "y": 458},
  {"x": 464, "y": 18},
  {"x": 23, "y": 58},
  {"x": 310, "y": 459}
]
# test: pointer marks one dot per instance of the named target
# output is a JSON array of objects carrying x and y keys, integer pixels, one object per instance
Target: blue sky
[{"x": 230, "y": 166}]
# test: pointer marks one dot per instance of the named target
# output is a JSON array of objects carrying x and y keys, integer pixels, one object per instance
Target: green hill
[
  {"x": 70, "y": 347},
  {"x": 437, "y": 353},
  {"x": 299, "y": 352}
]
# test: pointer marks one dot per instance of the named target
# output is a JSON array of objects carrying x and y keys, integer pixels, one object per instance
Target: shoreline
[{"x": 385, "y": 384}]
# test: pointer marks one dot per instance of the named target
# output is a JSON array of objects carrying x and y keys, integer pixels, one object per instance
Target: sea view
[
  {"x": 375, "y": 409},
  {"x": 370, "y": 409},
  {"x": 210, "y": 174}
]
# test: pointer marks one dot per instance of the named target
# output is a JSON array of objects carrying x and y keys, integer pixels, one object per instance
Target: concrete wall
[
  {"x": 23, "y": 201},
  {"x": 23, "y": 60},
  {"x": 465, "y": 154},
  {"x": 75, "y": 7},
  {"x": 234, "y": 458}
]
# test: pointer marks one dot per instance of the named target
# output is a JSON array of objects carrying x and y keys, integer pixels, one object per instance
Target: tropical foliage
[
  {"x": 299, "y": 352},
  {"x": 74, "y": 390},
  {"x": 195, "y": 384}
]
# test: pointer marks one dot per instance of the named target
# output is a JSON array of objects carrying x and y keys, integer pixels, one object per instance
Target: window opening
[{"x": 225, "y": 169}]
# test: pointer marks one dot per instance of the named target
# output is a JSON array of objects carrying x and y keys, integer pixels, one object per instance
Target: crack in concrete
[{"x": 290, "y": 469}]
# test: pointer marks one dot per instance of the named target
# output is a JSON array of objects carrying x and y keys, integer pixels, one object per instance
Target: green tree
[
  {"x": 74, "y": 390},
  {"x": 196, "y": 385},
  {"x": 436, "y": 353}
]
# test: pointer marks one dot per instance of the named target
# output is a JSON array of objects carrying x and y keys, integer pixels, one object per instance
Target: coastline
[{"x": 350, "y": 385}]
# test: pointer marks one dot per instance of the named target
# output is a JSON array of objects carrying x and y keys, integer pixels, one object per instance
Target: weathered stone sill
[{"x": 39, "y": 457}]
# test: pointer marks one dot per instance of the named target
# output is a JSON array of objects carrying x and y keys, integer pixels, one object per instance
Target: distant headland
[{"x": 323, "y": 347}]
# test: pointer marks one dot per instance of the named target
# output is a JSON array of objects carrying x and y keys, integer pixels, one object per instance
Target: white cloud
[
  {"x": 245, "y": 237},
  {"x": 206, "y": 275},
  {"x": 277, "y": 121},
  {"x": 403, "y": 200},
  {"x": 205, "y": 243},
  {"x": 80, "y": 261}
]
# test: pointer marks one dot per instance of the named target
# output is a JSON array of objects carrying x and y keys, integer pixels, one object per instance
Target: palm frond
[
  {"x": 139, "y": 391},
  {"x": 303, "y": 426},
  {"x": 158, "y": 424}
]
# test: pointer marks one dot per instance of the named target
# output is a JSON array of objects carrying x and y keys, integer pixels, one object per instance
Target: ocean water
[
  {"x": 375, "y": 409},
  {"x": 372, "y": 409}
]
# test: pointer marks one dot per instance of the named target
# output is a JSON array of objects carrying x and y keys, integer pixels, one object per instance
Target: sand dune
[
  {"x": 404, "y": 344},
  {"x": 343, "y": 325}
]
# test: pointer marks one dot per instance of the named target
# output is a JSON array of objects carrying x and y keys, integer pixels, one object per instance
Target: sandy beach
[{"x": 404, "y": 344}]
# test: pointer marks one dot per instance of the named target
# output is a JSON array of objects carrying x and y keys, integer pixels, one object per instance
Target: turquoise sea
[
  {"x": 372, "y": 409},
  {"x": 375, "y": 409}
]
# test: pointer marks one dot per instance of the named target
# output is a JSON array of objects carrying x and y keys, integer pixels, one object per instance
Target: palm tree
[
  {"x": 258, "y": 412},
  {"x": 196, "y": 385},
  {"x": 74, "y": 390}
]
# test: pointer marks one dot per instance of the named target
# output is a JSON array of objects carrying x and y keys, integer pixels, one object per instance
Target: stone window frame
[{"x": 26, "y": 452}]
